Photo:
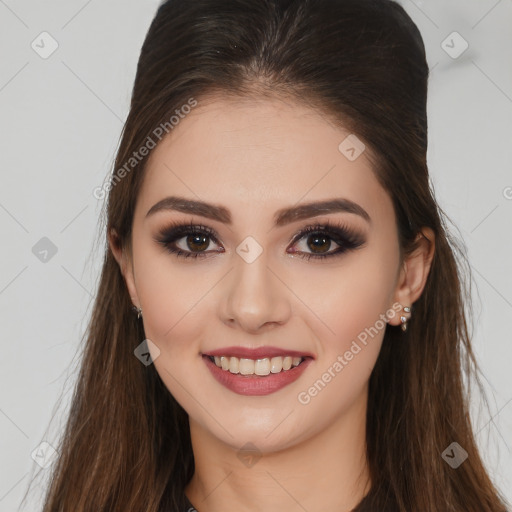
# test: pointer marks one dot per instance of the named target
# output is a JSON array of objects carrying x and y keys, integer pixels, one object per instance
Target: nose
[{"x": 255, "y": 297}]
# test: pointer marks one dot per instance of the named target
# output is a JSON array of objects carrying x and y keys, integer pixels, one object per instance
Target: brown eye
[
  {"x": 197, "y": 242},
  {"x": 318, "y": 240},
  {"x": 185, "y": 240},
  {"x": 319, "y": 243}
]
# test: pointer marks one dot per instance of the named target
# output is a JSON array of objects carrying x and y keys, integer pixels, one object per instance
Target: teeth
[
  {"x": 234, "y": 365},
  {"x": 245, "y": 366},
  {"x": 257, "y": 366},
  {"x": 262, "y": 367}
]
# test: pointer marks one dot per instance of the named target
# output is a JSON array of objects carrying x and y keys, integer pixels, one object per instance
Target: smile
[{"x": 256, "y": 377}]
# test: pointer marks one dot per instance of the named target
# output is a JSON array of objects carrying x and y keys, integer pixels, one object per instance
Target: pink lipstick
[{"x": 256, "y": 375}]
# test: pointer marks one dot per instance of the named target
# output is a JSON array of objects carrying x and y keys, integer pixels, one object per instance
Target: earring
[
  {"x": 403, "y": 319},
  {"x": 138, "y": 311}
]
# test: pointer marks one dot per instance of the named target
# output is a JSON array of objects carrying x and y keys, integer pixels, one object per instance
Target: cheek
[
  {"x": 171, "y": 296},
  {"x": 349, "y": 298},
  {"x": 349, "y": 326},
  {"x": 349, "y": 304}
]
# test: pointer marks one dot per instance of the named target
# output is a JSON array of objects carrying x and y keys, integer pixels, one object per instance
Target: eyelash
[{"x": 336, "y": 231}]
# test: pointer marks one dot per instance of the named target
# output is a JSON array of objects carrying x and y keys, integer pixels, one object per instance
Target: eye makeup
[{"x": 327, "y": 232}]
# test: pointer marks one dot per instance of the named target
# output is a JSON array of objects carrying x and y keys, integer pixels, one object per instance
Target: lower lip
[{"x": 255, "y": 385}]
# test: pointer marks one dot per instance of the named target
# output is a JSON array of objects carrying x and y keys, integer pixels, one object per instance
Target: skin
[{"x": 255, "y": 157}]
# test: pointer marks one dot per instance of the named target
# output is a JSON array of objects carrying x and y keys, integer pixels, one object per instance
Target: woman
[{"x": 299, "y": 339}]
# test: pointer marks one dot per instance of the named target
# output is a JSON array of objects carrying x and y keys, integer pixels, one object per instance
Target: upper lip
[{"x": 256, "y": 353}]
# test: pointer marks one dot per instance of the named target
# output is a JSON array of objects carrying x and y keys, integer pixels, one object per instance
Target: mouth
[{"x": 256, "y": 377}]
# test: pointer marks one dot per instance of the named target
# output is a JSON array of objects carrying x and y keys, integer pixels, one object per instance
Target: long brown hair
[{"x": 126, "y": 445}]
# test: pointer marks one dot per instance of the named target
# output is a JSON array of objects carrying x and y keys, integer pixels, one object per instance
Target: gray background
[{"x": 61, "y": 118}]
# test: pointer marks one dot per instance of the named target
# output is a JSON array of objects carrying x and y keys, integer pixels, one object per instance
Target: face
[{"x": 230, "y": 278}]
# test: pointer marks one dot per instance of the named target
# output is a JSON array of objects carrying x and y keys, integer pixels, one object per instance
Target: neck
[{"x": 328, "y": 471}]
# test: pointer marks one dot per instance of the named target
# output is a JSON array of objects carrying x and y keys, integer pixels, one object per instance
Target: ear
[
  {"x": 121, "y": 255},
  {"x": 414, "y": 273}
]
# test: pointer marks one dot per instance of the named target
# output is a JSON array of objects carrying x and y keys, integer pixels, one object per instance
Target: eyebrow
[{"x": 281, "y": 217}]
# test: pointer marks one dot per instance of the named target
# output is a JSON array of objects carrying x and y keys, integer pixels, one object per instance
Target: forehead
[{"x": 257, "y": 155}]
